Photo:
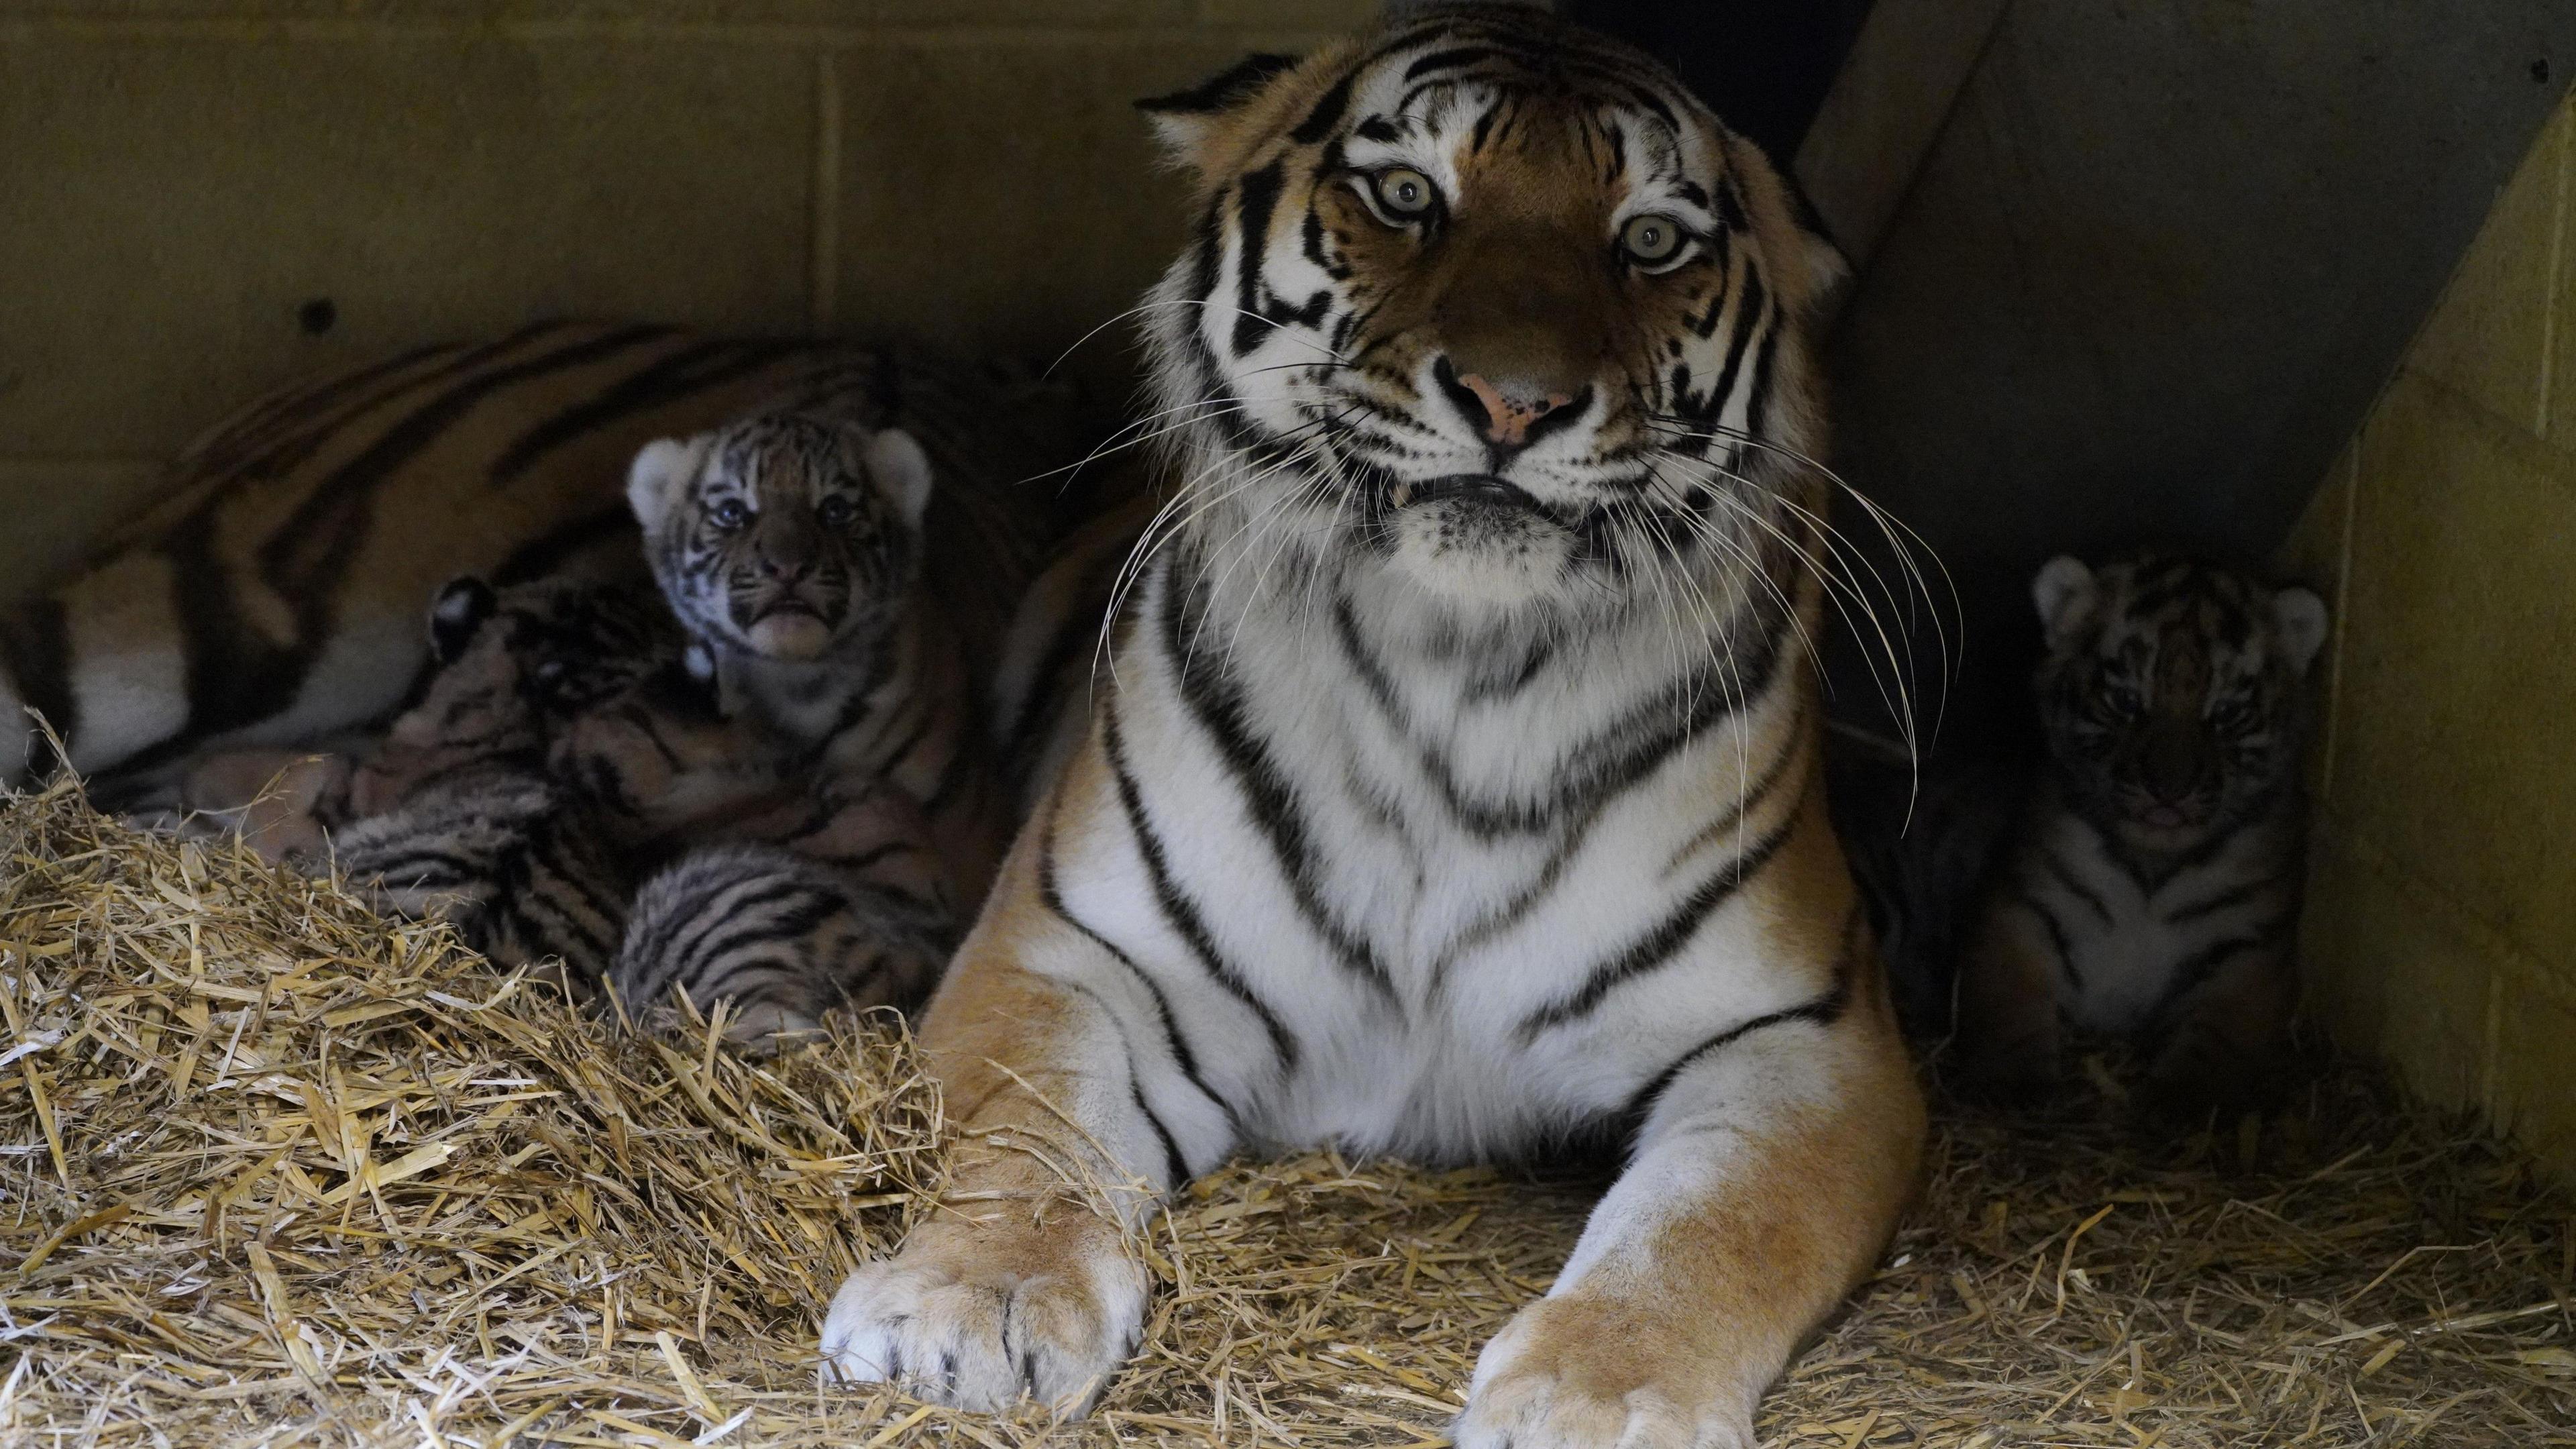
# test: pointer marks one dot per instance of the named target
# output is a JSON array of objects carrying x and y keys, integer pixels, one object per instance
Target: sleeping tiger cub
[
  {"x": 2152, "y": 888},
  {"x": 1452, "y": 789}
]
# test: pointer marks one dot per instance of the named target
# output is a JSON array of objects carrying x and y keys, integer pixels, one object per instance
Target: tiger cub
[
  {"x": 510, "y": 668},
  {"x": 790, "y": 545},
  {"x": 2152, "y": 887}
]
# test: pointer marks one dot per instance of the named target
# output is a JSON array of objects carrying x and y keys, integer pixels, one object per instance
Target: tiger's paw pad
[
  {"x": 1538, "y": 1389},
  {"x": 985, "y": 1338}
]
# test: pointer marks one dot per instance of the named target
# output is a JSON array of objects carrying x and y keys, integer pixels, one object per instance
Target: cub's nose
[{"x": 1508, "y": 413}]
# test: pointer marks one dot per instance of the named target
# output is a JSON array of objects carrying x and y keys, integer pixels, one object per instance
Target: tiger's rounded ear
[
  {"x": 2301, "y": 618},
  {"x": 1188, "y": 122},
  {"x": 460, "y": 609},
  {"x": 2065, "y": 593},
  {"x": 661, "y": 473},
  {"x": 902, "y": 471}
]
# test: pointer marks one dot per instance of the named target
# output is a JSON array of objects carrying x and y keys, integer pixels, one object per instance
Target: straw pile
[{"x": 273, "y": 1171}]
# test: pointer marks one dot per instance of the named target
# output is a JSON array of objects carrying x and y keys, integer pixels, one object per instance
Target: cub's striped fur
[
  {"x": 1452, "y": 785},
  {"x": 783, "y": 937},
  {"x": 2152, "y": 887},
  {"x": 509, "y": 857},
  {"x": 272, "y": 598},
  {"x": 791, "y": 546}
]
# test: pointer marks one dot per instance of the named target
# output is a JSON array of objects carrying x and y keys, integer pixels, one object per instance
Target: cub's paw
[
  {"x": 983, "y": 1329},
  {"x": 1563, "y": 1376}
]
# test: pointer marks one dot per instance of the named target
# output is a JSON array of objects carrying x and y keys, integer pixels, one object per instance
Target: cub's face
[
  {"x": 2172, "y": 694},
  {"x": 1493, "y": 298},
  {"x": 785, "y": 536}
]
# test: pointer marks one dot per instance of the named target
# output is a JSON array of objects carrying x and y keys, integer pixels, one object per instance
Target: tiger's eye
[
  {"x": 1405, "y": 192},
  {"x": 836, "y": 512},
  {"x": 1651, "y": 238},
  {"x": 729, "y": 515}
]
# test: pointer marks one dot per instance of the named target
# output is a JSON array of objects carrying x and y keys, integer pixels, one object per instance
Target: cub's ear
[
  {"x": 902, "y": 471},
  {"x": 661, "y": 473},
  {"x": 1191, "y": 123},
  {"x": 2301, "y": 616},
  {"x": 460, "y": 609},
  {"x": 2065, "y": 593}
]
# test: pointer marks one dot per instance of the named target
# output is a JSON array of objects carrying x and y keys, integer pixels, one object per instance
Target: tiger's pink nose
[{"x": 1508, "y": 415}]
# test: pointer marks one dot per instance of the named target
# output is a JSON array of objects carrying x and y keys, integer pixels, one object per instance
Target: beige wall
[
  {"x": 2441, "y": 927},
  {"x": 178, "y": 178}
]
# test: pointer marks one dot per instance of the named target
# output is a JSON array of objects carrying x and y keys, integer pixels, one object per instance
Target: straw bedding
[{"x": 274, "y": 1171}]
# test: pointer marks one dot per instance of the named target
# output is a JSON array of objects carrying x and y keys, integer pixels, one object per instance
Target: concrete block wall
[
  {"x": 202, "y": 198},
  {"x": 2440, "y": 931}
]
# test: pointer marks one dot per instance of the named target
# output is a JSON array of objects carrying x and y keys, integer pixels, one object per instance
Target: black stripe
[
  {"x": 1178, "y": 909},
  {"x": 1823, "y": 1011},
  {"x": 1257, "y": 199},
  {"x": 1183, "y": 1057},
  {"x": 1216, "y": 702},
  {"x": 1749, "y": 800},
  {"x": 2058, "y": 940},
  {"x": 1751, "y": 303},
  {"x": 2233, "y": 896},
  {"x": 2065, "y": 877},
  {"x": 1328, "y": 110},
  {"x": 548, "y": 552},
  {"x": 691, "y": 370},
  {"x": 1174, "y": 1164},
  {"x": 2195, "y": 969},
  {"x": 1616, "y": 758},
  {"x": 1658, "y": 946}
]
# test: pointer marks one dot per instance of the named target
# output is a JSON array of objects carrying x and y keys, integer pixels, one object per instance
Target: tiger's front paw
[
  {"x": 1571, "y": 1373},
  {"x": 981, "y": 1325}
]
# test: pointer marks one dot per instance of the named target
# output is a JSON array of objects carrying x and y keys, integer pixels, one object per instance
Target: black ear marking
[
  {"x": 462, "y": 606},
  {"x": 1223, "y": 91}
]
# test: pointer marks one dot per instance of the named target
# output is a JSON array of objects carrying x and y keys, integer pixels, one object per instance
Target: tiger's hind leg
[{"x": 782, "y": 938}]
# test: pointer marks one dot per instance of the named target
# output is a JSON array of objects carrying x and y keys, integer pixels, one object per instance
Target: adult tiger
[
  {"x": 274, "y": 596},
  {"x": 1454, "y": 785}
]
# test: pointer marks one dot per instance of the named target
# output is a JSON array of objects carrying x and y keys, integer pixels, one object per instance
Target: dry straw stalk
[{"x": 275, "y": 1171}]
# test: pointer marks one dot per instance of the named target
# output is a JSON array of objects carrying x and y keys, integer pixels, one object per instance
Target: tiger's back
[{"x": 274, "y": 595}]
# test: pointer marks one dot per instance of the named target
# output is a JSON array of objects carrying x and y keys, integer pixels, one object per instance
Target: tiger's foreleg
[
  {"x": 1767, "y": 1179},
  {"x": 1028, "y": 1279},
  {"x": 2227, "y": 1034}
]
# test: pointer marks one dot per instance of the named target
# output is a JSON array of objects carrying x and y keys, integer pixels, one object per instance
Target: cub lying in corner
[{"x": 2152, "y": 886}]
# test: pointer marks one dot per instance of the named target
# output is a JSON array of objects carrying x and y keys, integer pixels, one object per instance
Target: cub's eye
[
  {"x": 729, "y": 514},
  {"x": 1652, "y": 239},
  {"x": 1404, "y": 193},
  {"x": 836, "y": 512}
]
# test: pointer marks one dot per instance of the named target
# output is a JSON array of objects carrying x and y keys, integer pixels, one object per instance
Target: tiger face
[
  {"x": 1493, "y": 300},
  {"x": 784, "y": 536},
  {"x": 2172, "y": 694}
]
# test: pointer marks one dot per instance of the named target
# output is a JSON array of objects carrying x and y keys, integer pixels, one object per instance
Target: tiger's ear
[
  {"x": 2301, "y": 617},
  {"x": 460, "y": 609},
  {"x": 2066, "y": 593},
  {"x": 1189, "y": 122},
  {"x": 661, "y": 473},
  {"x": 902, "y": 471}
]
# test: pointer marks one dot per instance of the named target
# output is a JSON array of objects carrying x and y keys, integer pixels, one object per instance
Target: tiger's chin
[
  {"x": 789, "y": 634},
  {"x": 1479, "y": 544}
]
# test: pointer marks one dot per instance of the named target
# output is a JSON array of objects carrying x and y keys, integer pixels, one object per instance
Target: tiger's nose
[{"x": 1506, "y": 413}]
